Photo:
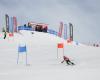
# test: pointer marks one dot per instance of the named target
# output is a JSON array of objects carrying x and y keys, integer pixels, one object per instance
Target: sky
[{"x": 83, "y": 14}]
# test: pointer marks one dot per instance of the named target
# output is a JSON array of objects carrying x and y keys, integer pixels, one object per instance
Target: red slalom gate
[{"x": 60, "y": 46}]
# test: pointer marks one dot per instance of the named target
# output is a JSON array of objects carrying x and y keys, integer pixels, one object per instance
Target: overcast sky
[{"x": 84, "y": 14}]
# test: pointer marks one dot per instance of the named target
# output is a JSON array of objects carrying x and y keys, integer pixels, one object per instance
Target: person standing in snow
[
  {"x": 5, "y": 34},
  {"x": 67, "y": 60}
]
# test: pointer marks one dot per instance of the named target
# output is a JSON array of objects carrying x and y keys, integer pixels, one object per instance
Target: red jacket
[{"x": 65, "y": 59}]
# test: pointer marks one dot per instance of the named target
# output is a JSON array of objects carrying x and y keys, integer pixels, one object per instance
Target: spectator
[{"x": 5, "y": 34}]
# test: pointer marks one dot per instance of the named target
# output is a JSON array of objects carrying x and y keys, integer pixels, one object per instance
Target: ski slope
[{"x": 43, "y": 63}]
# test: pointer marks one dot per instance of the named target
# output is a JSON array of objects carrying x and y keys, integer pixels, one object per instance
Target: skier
[
  {"x": 67, "y": 60},
  {"x": 5, "y": 34}
]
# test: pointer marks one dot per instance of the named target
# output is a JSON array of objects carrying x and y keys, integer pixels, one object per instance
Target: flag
[
  {"x": 15, "y": 23},
  {"x": 7, "y": 22},
  {"x": 60, "y": 45},
  {"x": 60, "y": 29},
  {"x": 22, "y": 49},
  {"x": 11, "y": 24},
  {"x": 65, "y": 31}
]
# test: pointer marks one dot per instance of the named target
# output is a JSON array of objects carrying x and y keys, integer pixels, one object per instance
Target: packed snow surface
[{"x": 42, "y": 59}]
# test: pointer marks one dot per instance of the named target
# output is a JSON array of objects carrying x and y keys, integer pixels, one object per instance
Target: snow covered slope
[{"x": 43, "y": 61}]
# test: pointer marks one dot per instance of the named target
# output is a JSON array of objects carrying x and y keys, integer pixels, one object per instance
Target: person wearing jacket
[
  {"x": 67, "y": 60},
  {"x": 5, "y": 34}
]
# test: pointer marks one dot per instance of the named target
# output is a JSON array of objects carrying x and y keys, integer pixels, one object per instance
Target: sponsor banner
[
  {"x": 65, "y": 31},
  {"x": 71, "y": 31},
  {"x": 15, "y": 23},
  {"x": 60, "y": 29},
  {"x": 52, "y": 32},
  {"x": 11, "y": 24},
  {"x": 24, "y": 28}
]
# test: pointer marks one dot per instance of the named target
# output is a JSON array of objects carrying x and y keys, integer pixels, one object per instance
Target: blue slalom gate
[{"x": 22, "y": 50}]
